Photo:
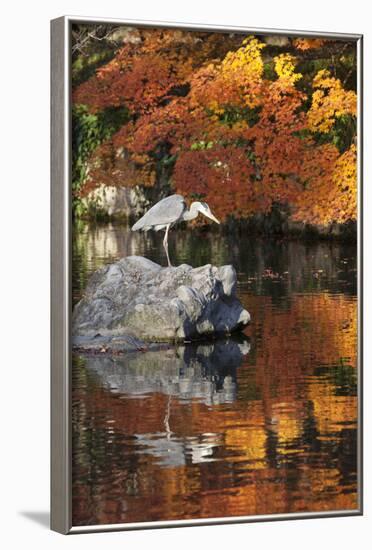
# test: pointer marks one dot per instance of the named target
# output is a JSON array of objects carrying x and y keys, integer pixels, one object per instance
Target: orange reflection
[{"x": 286, "y": 443}]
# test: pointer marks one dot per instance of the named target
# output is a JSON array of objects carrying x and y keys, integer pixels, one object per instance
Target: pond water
[{"x": 261, "y": 424}]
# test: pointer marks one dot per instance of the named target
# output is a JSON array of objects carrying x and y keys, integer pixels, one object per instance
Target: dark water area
[{"x": 264, "y": 423}]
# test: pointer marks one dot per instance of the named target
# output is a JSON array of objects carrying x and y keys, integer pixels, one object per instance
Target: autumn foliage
[{"x": 225, "y": 119}]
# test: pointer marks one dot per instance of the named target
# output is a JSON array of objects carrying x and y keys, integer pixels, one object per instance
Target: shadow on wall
[{"x": 42, "y": 518}]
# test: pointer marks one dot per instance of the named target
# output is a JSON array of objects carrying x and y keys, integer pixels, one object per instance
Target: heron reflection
[{"x": 205, "y": 373}]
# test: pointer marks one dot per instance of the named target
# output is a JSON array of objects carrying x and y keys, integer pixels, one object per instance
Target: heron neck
[{"x": 191, "y": 214}]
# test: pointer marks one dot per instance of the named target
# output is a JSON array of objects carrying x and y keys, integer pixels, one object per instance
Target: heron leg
[{"x": 165, "y": 244}]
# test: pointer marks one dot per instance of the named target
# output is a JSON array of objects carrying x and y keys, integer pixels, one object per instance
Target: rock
[
  {"x": 137, "y": 298},
  {"x": 125, "y": 35},
  {"x": 115, "y": 201},
  {"x": 276, "y": 40}
]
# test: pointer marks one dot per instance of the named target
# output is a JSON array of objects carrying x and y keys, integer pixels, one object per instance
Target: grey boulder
[{"x": 136, "y": 297}]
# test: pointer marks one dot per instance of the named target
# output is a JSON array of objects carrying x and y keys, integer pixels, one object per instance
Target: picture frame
[{"x": 61, "y": 284}]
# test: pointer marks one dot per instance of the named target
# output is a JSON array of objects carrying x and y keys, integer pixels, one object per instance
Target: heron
[{"x": 167, "y": 212}]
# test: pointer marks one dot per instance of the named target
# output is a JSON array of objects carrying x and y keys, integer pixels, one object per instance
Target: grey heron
[{"x": 169, "y": 211}]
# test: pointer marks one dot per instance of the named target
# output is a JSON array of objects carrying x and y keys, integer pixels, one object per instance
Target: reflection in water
[
  {"x": 229, "y": 428},
  {"x": 273, "y": 267},
  {"x": 202, "y": 371}
]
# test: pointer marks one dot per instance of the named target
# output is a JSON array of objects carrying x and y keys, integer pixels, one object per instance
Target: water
[{"x": 262, "y": 424}]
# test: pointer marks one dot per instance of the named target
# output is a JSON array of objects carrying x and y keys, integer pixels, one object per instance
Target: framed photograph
[{"x": 206, "y": 274}]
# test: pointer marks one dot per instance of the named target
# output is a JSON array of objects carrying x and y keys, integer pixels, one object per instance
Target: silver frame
[{"x": 61, "y": 445}]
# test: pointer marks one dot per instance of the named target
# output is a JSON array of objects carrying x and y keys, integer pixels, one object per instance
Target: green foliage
[
  {"x": 269, "y": 70},
  {"x": 233, "y": 114},
  {"x": 88, "y": 131},
  {"x": 84, "y": 67},
  {"x": 167, "y": 160},
  {"x": 342, "y": 134},
  {"x": 201, "y": 145}
]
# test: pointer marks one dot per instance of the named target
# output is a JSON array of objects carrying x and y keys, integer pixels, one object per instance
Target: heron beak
[{"x": 210, "y": 215}]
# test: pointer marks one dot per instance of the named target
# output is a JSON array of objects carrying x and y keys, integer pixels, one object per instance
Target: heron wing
[{"x": 164, "y": 212}]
